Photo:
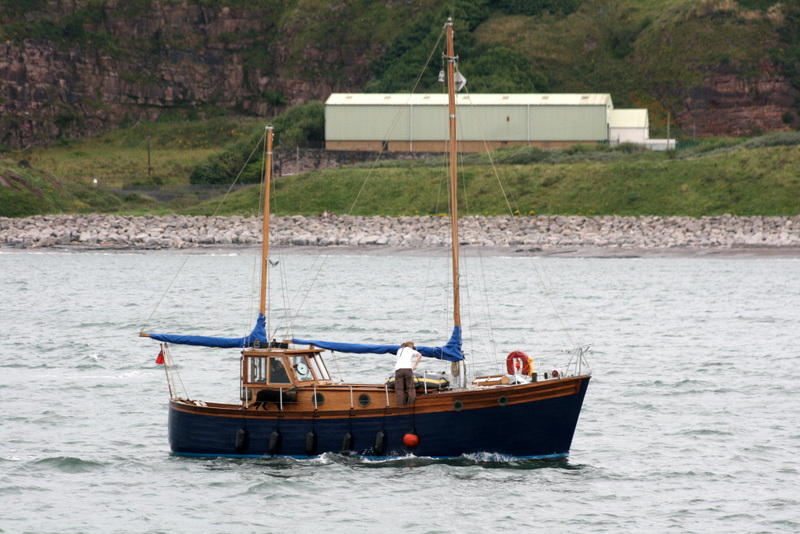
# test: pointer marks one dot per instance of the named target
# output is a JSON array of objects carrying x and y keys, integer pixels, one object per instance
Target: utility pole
[{"x": 668, "y": 130}]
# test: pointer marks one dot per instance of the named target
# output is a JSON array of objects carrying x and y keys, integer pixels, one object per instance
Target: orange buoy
[{"x": 410, "y": 440}]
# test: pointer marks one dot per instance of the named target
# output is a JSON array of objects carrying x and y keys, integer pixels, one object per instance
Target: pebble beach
[{"x": 547, "y": 234}]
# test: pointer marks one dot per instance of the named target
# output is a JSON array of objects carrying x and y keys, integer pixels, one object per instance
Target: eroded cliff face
[
  {"x": 177, "y": 57},
  {"x": 122, "y": 62},
  {"x": 733, "y": 104}
]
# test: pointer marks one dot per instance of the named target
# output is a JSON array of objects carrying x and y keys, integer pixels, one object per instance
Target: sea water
[{"x": 690, "y": 423}]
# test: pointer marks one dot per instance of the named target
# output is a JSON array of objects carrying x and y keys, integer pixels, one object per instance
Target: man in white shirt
[{"x": 407, "y": 360}]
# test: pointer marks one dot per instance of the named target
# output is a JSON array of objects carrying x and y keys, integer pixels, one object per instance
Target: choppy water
[{"x": 690, "y": 423}]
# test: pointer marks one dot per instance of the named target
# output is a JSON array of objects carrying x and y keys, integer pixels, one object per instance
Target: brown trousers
[{"x": 404, "y": 383}]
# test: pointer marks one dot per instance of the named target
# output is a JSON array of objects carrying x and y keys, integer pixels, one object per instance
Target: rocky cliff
[
  {"x": 126, "y": 65},
  {"x": 732, "y": 104},
  {"x": 74, "y": 68}
]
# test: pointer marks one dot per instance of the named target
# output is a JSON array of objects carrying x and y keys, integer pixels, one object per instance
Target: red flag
[{"x": 160, "y": 359}]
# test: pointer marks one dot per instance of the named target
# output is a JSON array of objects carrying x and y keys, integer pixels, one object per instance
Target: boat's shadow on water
[{"x": 485, "y": 461}]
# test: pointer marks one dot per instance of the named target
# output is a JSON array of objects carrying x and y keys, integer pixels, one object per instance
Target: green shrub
[
  {"x": 525, "y": 157},
  {"x": 300, "y": 125},
  {"x": 629, "y": 148},
  {"x": 398, "y": 68},
  {"x": 15, "y": 203},
  {"x": 775, "y": 139},
  {"x": 223, "y": 168},
  {"x": 171, "y": 116},
  {"x": 578, "y": 148},
  {"x": 64, "y": 119},
  {"x": 501, "y": 70},
  {"x": 274, "y": 98}
]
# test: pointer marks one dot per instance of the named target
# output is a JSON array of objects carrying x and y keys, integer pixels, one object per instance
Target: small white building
[
  {"x": 633, "y": 126},
  {"x": 628, "y": 126}
]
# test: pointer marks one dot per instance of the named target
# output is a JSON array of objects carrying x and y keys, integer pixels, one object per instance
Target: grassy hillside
[
  {"x": 739, "y": 176},
  {"x": 643, "y": 57},
  {"x": 120, "y": 157},
  {"x": 755, "y": 177},
  {"x": 26, "y": 191},
  {"x": 60, "y": 178}
]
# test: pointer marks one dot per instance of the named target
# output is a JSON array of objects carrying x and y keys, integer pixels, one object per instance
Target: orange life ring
[{"x": 517, "y": 362}]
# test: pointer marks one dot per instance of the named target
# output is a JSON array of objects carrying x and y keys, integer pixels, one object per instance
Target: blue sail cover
[
  {"x": 450, "y": 352},
  {"x": 259, "y": 333}
]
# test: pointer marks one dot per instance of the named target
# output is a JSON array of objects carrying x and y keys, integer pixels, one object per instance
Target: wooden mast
[
  {"x": 451, "y": 92},
  {"x": 265, "y": 232}
]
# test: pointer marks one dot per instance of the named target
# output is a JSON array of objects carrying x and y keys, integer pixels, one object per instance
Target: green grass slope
[
  {"x": 755, "y": 177},
  {"x": 26, "y": 191}
]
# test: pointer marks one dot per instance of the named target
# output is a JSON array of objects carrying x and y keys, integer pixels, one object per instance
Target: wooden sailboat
[{"x": 290, "y": 406}]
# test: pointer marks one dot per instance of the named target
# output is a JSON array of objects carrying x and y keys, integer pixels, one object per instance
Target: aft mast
[
  {"x": 265, "y": 236},
  {"x": 451, "y": 59}
]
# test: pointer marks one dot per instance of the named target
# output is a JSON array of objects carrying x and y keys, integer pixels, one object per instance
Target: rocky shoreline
[{"x": 545, "y": 233}]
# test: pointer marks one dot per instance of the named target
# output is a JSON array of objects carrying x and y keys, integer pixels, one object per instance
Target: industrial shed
[{"x": 418, "y": 123}]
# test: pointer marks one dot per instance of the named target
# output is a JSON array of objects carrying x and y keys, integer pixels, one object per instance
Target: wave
[
  {"x": 67, "y": 464},
  {"x": 484, "y": 460}
]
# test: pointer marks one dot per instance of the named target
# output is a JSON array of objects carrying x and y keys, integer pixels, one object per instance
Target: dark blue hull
[{"x": 539, "y": 428}]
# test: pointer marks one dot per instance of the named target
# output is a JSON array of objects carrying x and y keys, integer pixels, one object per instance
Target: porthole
[
  {"x": 458, "y": 405},
  {"x": 363, "y": 400},
  {"x": 502, "y": 401},
  {"x": 317, "y": 399}
]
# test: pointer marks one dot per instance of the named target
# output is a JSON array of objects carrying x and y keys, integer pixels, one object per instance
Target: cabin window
[
  {"x": 277, "y": 372},
  {"x": 301, "y": 368},
  {"x": 256, "y": 370},
  {"x": 319, "y": 367}
]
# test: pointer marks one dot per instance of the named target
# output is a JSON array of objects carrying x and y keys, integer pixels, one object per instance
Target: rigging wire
[
  {"x": 172, "y": 370},
  {"x": 481, "y": 288},
  {"x": 428, "y": 270},
  {"x": 257, "y": 255},
  {"x": 317, "y": 273},
  {"x": 396, "y": 120},
  {"x": 188, "y": 254},
  {"x": 281, "y": 264},
  {"x": 539, "y": 268},
  {"x": 336, "y": 363},
  {"x": 492, "y": 348},
  {"x": 371, "y": 172},
  {"x": 443, "y": 310}
]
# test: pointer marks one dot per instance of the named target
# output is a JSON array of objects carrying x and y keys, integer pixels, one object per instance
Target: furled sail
[
  {"x": 450, "y": 351},
  {"x": 259, "y": 333}
]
